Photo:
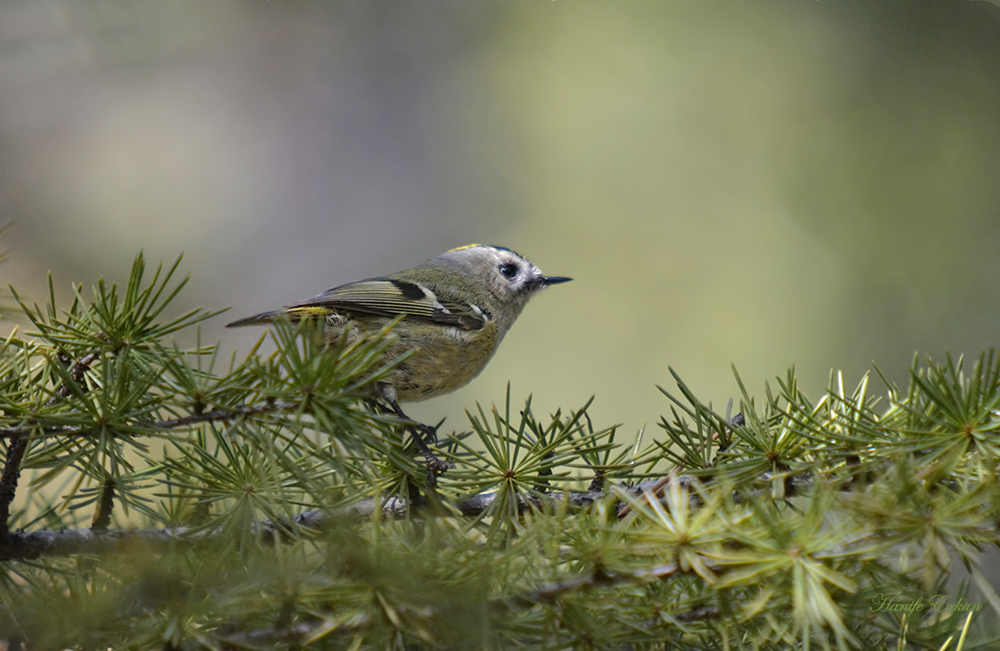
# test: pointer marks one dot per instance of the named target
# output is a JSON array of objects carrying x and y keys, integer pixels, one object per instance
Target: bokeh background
[{"x": 759, "y": 184}]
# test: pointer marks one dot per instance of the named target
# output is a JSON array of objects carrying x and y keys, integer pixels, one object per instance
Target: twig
[
  {"x": 656, "y": 489},
  {"x": 19, "y": 445},
  {"x": 20, "y": 436},
  {"x": 222, "y": 414},
  {"x": 8, "y": 481},
  {"x": 601, "y": 578},
  {"x": 81, "y": 366},
  {"x": 294, "y": 633},
  {"x": 105, "y": 506},
  {"x": 225, "y": 414},
  {"x": 33, "y": 544}
]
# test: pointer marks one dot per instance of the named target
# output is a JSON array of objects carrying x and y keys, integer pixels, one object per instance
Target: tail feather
[
  {"x": 293, "y": 314},
  {"x": 263, "y": 318}
]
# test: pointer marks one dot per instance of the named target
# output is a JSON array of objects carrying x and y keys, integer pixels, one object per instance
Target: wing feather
[{"x": 390, "y": 297}]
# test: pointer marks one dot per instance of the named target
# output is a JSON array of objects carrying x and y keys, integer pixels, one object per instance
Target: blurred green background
[{"x": 762, "y": 184}]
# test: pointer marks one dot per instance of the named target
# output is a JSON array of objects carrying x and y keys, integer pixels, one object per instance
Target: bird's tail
[
  {"x": 263, "y": 318},
  {"x": 294, "y": 314}
]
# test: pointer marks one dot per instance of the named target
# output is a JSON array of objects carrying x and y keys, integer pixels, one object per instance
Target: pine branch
[
  {"x": 19, "y": 445},
  {"x": 612, "y": 566},
  {"x": 600, "y": 578},
  {"x": 294, "y": 634},
  {"x": 66, "y": 542},
  {"x": 76, "y": 373},
  {"x": 8, "y": 481},
  {"x": 218, "y": 415}
]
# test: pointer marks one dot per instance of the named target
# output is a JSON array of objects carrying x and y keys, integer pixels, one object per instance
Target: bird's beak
[{"x": 553, "y": 280}]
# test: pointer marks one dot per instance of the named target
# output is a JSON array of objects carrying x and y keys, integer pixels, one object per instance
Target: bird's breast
[{"x": 443, "y": 359}]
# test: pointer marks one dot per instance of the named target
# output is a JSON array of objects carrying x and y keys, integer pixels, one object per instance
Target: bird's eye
[{"x": 509, "y": 270}]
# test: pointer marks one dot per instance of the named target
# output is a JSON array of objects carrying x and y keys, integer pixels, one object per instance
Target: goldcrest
[{"x": 455, "y": 309}]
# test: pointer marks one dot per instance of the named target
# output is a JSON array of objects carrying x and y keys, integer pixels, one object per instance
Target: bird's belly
[{"x": 441, "y": 363}]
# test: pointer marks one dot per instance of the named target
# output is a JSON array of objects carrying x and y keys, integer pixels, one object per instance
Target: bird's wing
[{"x": 390, "y": 297}]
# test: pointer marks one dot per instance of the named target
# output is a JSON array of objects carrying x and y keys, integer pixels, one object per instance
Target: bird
[{"x": 453, "y": 311}]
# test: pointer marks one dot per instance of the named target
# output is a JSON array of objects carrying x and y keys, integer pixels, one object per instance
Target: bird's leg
[
  {"x": 417, "y": 433},
  {"x": 386, "y": 402}
]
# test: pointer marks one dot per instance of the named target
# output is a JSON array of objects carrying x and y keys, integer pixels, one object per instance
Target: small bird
[{"x": 455, "y": 310}]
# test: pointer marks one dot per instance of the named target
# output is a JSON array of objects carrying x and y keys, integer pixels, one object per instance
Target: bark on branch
[{"x": 23, "y": 545}]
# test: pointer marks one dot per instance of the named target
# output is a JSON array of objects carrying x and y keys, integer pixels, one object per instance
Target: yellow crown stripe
[{"x": 467, "y": 246}]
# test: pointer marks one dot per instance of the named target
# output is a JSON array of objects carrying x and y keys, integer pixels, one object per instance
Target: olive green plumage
[{"x": 456, "y": 309}]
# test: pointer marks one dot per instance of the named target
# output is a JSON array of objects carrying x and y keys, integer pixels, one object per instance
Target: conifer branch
[
  {"x": 19, "y": 445},
  {"x": 76, "y": 374},
  {"x": 8, "y": 480},
  {"x": 105, "y": 506},
  {"x": 218, "y": 415},
  {"x": 633, "y": 560},
  {"x": 65, "y": 542}
]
